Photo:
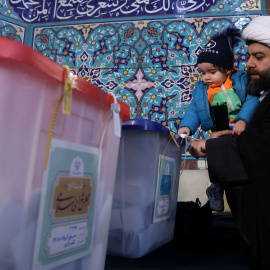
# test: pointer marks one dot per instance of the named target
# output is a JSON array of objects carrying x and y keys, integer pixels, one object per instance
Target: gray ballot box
[{"x": 146, "y": 189}]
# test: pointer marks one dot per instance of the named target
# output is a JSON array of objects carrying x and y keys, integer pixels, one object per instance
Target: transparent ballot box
[
  {"x": 59, "y": 144},
  {"x": 146, "y": 189}
]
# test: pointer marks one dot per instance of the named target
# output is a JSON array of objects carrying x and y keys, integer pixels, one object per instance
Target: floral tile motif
[
  {"x": 6, "y": 10},
  {"x": 148, "y": 65},
  {"x": 12, "y": 31}
]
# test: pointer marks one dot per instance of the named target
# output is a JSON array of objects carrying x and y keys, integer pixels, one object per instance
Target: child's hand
[
  {"x": 239, "y": 127},
  {"x": 184, "y": 130}
]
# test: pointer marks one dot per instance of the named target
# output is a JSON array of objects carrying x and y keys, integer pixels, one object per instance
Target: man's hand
[
  {"x": 197, "y": 148},
  {"x": 218, "y": 134}
]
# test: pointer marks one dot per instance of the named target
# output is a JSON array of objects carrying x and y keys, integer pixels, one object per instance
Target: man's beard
[{"x": 255, "y": 86}]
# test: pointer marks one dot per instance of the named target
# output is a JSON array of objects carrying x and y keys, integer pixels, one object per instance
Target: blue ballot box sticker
[
  {"x": 165, "y": 181},
  {"x": 165, "y": 185},
  {"x": 66, "y": 215}
]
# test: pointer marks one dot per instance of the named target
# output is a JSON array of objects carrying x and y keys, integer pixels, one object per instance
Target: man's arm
[
  {"x": 253, "y": 147},
  {"x": 224, "y": 164},
  {"x": 197, "y": 147}
]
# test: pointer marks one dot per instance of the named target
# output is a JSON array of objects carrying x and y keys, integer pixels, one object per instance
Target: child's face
[{"x": 211, "y": 75}]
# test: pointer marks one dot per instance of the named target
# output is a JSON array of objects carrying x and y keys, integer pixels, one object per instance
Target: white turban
[{"x": 258, "y": 30}]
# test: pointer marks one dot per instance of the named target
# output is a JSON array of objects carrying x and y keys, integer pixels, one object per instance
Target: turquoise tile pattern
[
  {"x": 150, "y": 65},
  {"x": 12, "y": 31},
  {"x": 144, "y": 52}
]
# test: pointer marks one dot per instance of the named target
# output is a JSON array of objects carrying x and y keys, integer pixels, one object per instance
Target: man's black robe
[{"x": 242, "y": 164}]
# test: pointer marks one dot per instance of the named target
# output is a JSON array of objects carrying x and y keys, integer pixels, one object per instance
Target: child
[{"x": 221, "y": 85}]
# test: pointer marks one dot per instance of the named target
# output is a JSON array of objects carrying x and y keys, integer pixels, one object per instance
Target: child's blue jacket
[{"x": 198, "y": 111}]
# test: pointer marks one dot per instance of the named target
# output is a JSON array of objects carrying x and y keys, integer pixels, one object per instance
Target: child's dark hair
[{"x": 222, "y": 69}]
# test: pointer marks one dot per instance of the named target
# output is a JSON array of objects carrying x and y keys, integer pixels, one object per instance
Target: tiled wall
[
  {"x": 147, "y": 62},
  {"x": 12, "y": 31},
  {"x": 150, "y": 65}
]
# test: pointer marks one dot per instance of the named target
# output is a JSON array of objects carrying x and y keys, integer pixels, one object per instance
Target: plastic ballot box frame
[
  {"x": 55, "y": 216},
  {"x": 146, "y": 189}
]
